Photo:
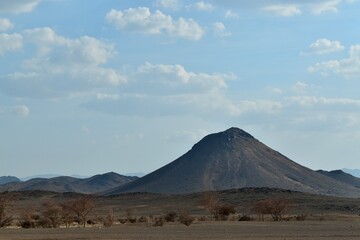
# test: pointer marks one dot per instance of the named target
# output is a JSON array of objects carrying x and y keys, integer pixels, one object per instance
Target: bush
[
  {"x": 143, "y": 219},
  {"x": 245, "y": 218},
  {"x": 223, "y": 211},
  {"x": 186, "y": 219},
  {"x": 159, "y": 221},
  {"x": 108, "y": 221},
  {"x": 301, "y": 217},
  {"x": 170, "y": 216}
]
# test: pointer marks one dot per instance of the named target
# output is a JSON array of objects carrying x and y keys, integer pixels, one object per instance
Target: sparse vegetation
[
  {"x": 170, "y": 216},
  {"x": 185, "y": 218},
  {"x": 51, "y": 214},
  {"x": 6, "y": 200},
  {"x": 276, "y": 207},
  {"x": 81, "y": 207}
]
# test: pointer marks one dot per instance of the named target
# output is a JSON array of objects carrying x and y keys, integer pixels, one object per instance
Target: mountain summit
[{"x": 235, "y": 159}]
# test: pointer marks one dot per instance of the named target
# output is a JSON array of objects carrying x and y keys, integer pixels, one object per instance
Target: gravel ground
[{"x": 202, "y": 230}]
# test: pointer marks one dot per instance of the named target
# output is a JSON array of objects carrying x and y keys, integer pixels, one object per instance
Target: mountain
[
  {"x": 342, "y": 177},
  {"x": 93, "y": 184},
  {"x": 354, "y": 172},
  {"x": 8, "y": 179},
  {"x": 234, "y": 159}
]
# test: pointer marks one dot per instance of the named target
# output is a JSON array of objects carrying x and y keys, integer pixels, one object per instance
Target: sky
[{"x": 88, "y": 87}]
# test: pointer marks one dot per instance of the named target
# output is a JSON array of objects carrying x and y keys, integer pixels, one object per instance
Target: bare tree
[
  {"x": 276, "y": 207},
  {"x": 211, "y": 201},
  {"x": 52, "y": 214},
  {"x": 81, "y": 207},
  {"x": 6, "y": 200}
]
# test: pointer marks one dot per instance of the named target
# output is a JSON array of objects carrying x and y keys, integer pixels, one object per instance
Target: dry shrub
[
  {"x": 28, "y": 219},
  {"x": 6, "y": 200},
  {"x": 122, "y": 220},
  {"x": 245, "y": 218},
  {"x": 170, "y": 216},
  {"x": 51, "y": 215},
  {"x": 108, "y": 221},
  {"x": 211, "y": 201},
  {"x": 159, "y": 221},
  {"x": 301, "y": 217},
  {"x": 143, "y": 219},
  {"x": 186, "y": 219},
  {"x": 223, "y": 211}
]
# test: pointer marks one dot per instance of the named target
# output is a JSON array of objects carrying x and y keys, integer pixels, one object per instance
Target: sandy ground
[{"x": 201, "y": 230}]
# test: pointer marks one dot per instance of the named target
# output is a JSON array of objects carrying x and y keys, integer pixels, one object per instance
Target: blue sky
[{"x": 88, "y": 87}]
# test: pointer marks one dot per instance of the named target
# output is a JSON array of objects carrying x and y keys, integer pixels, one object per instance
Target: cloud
[
  {"x": 175, "y": 78},
  {"x": 160, "y": 89},
  {"x": 283, "y": 10},
  {"x": 168, "y": 4},
  {"x": 220, "y": 30},
  {"x": 325, "y": 6},
  {"x": 18, "y": 110},
  {"x": 5, "y": 24},
  {"x": 286, "y": 8},
  {"x": 10, "y": 42},
  {"x": 229, "y": 14},
  {"x": 142, "y": 20},
  {"x": 325, "y": 46},
  {"x": 60, "y": 66},
  {"x": 18, "y": 6},
  {"x": 347, "y": 67},
  {"x": 300, "y": 87},
  {"x": 201, "y": 6}
]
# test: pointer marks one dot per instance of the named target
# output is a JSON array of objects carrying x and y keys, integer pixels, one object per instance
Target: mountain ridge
[{"x": 96, "y": 183}]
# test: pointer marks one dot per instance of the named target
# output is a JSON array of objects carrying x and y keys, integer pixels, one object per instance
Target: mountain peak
[{"x": 235, "y": 132}]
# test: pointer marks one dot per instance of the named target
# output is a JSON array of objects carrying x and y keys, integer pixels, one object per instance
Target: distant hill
[
  {"x": 230, "y": 160},
  {"x": 8, "y": 179},
  {"x": 342, "y": 177},
  {"x": 93, "y": 184},
  {"x": 354, "y": 172}
]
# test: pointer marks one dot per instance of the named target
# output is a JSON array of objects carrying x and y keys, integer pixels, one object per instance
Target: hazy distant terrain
[
  {"x": 8, "y": 179},
  {"x": 93, "y": 184}
]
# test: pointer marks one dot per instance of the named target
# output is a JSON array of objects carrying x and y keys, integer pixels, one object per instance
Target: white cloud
[
  {"x": 168, "y": 4},
  {"x": 287, "y": 7},
  {"x": 325, "y": 6},
  {"x": 160, "y": 89},
  {"x": 220, "y": 30},
  {"x": 347, "y": 67},
  {"x": 10, "y": 42},
  {"x": 5, "y": 24},
  {"x": 141, "y": 20},
  {"x": 283, "y": 10},
  {"x": 311, "y": 101},
  {"x": 276, "y": 90},
  {"x": 176, "y": 77},
  {"x": 300, "y": 87},
  {"x": 61, "y": 66},
  {"x": 201, "y": 6},
  {"x": 325, "y": 46},
  {"x": 18, "y": 6},
  {"x": 18, "y": 110},
  {"x": 231, "y": 15}
]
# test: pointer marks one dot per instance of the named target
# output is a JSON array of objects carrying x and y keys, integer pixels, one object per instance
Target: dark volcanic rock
[{"x": 234, "y": 159}]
